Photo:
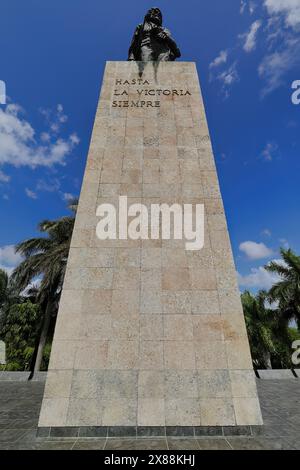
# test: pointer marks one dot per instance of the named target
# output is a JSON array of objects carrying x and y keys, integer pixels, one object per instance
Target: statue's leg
[{"x": 146, "y": 54}]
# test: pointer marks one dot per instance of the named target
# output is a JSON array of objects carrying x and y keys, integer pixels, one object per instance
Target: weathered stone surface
[{"x": 149, "y": 334}]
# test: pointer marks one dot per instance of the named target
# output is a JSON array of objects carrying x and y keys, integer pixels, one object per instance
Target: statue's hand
[{"x": 162, "y": 35}]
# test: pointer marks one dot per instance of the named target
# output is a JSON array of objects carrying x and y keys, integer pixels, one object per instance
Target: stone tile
[
  {"x": 208, "y": 358},
  {"x": 203, "y": 278},
  {"x": 181, "y": 384},
  {"x": 214, "y": 384},
  {"x": 178, "y": 326},
  {"x": 230, "y": 302},
  {"x": 208, "y": 328},
  {"x": 205, "y": 302},
  {"x": 125, "y": 302},
  {"x": 58, "y": 384},
  {"x": 243, "y": 383},
  {"x": 176, "y": 302},
  {"x": 96, "y": 302},
  {"x": 247, "y": 411},
  {"x": 174, "y": 257},
  {"x": 238, "y": 354},
  {"x": 239, "y": 443},
  {"x": 96, "y": 327},
  {"x": 150, "y": 302},
  {"x": 9, "y": 436},
  {"x": 175, "y": 279},
  {"x": 85, "y": 384},
  {"x": 234, "y": 327},
  {"x": 217, "y": 412},
  {"x": 179, "y": 355},
  {"x": 151, "y": 384},
  {"x": 54, "y": 412},
  {"x": 84, "y": 412},
  {"x": 128, "y": 258},
  {"x": 95, "y": 432},
  {"x": 109, "y": 189},
  {"x": 213, "y": 444},
  {"x": 71, "y": 301},
  {"x": 183, "y": 444},
  {"x": 134, "y": 444},
  {"x": 151, "y": 258},
  {"x": 185, "y": 411},
  {"x": 127, "y": 279},
  {"x": 118, "y": 383},
  {"x": 125, "y": 327},
  {"x": 55, "y": 445},
  {"x": 91, "y": 257},
  {"x": 119, "y": 412},
  {"x": 94, "y": 444},
  {"x": 91, "y": 355},
  {"x": 151, "y": 327},
  {"x": 151, "y": 412},
  {"x": 68, "y": 327},
  {"x": 62, "y": 354},
  {"x": 123, "y": 354},
  {"x": 151, "y": 279},
  {"x": 151, "y": 355}
]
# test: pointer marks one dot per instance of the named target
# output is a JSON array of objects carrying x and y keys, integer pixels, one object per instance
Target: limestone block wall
[{"x": 148, "y": 333}]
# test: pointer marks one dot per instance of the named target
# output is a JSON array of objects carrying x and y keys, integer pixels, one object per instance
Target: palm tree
[
  {"x": 286, "y": 292},
  {"x": 260, "y": 322},
  {"x": 45, "y": 257},
  {"x": 8, "y": 293}
]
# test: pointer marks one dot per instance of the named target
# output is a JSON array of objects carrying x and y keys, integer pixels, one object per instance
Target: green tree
[
  {"x": 260, "y": 323},
  {"x": 45, "y": 257},
  {"x": 8, "y": 293},
  {"x": 19, "y": 331},
  {"x": 286, "y": 292}
]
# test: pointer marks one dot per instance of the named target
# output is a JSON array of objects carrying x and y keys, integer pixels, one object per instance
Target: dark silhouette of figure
[{"x": 152, "y": 42}]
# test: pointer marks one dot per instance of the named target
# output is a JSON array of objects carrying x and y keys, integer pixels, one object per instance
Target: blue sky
[{"x": 248, "y": 54}]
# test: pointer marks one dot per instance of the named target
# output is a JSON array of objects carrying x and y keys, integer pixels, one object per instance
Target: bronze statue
[{"x": 152, "y": 42}]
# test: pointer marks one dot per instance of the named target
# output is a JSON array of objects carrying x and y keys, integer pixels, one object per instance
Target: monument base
[{"x": 149, "y": 334}]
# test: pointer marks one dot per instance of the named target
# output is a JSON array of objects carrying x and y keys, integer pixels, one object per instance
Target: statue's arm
[
  {"x": 166, "y": 35},
  {"x": 134, "y": 44}
]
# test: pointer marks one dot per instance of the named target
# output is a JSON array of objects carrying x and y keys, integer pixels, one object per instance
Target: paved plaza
[{"x": 20, "y": 404}]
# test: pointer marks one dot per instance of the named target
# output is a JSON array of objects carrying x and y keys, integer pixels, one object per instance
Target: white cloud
[
  {"x": 219, "y": 60},
  {"x": 275, "y": 65},
  {"x": 255, "y": 251},
  {"x": 4, "y": 178},
  {"x": 242, "y": 7},
  {"x": 229, "y": 76},
  {"x": 49, "y": 186},
  {"x": 269, "y": 151},
  {"x": 284, "y": 243},
  {"x": 31, "y": 194},
  {"x": 266, "y": 232},
  {"x": 251, "y": 36},
  {"x": 8, "y": 258},
  {"x": 289, "y": 8},
  {"x": 251, "y": 7},
  {"x": 19, "y": 146},
  {"x": 258, "y": 278},
  {"x": 68, "y": 197}
]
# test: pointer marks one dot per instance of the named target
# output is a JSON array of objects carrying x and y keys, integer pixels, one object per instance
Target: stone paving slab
[{"x": 280, "y": 406}]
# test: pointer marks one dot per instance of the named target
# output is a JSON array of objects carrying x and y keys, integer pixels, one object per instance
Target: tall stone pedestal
[{"x": 149, "y": 334}]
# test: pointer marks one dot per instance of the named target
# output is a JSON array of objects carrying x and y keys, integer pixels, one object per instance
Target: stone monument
[{"x": 149, "y": 335}]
